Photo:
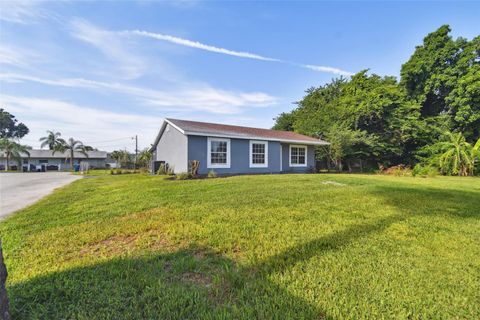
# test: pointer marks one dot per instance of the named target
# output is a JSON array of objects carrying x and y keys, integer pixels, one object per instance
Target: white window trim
[
  {"x": 258, "y": 165},
  {"x": 290, "y": 156},
  {"x": 209, "y": 154}
]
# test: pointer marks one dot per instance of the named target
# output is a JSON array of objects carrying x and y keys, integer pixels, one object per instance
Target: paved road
[{"x": 18, "y": 190}]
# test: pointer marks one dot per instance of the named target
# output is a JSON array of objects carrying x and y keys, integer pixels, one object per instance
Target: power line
[{"x": 110, "y": 140}]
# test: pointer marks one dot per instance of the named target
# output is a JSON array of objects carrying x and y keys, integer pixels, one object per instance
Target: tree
[
  {"x": 375, "y": 105},
  {"x": 13, "y": 150},
  {"x": 475, "y": 155},
  {"x": 284, "y": 121},
  {"x": 453, "y": 155},
  {"x": 125, "y": 159},
  {"x": 117, "y": 156},
  {"x": 52, "y": 139},
  {"x": 71, "y": 146},
  {"x": 9, "y": 126},
  {"x": 343, "y": 142},
  {"x": 144, "y": 158},
  {"x": 443, "y": 76}
]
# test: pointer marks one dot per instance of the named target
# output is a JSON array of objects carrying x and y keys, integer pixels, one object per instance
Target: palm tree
[
  {"x": 125, "y": 159},
  {"x": 72, "y": 146},
  {"x": 457, "y": 155},
  {"x": 475, "y": 154},
  {"x": 145, "y": 157},
  {"x": 117, "y": 156},
  {"x": 52, "y": 139},
  {"x": 13, "y": 150}
]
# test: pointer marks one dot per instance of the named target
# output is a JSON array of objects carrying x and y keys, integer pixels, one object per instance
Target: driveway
[{"x": 18, "y": 190}]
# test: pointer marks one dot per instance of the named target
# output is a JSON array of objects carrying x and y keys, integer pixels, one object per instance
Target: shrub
[
  {"x": 424, "y": 171},
  {"x": 398, "y": 171},
  {"x": 118, "y": 171},
  {"x": 183, "y": 176},
  {"x": 112, "y": 172},
  {"x": 162, "y": 170},
  {"x": 212, "y": 174}
]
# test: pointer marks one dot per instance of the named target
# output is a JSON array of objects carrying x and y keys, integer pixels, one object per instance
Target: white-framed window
[
  {"x": 258, "y": 154},
  {"x": 298, "y": 156},
  {"x": 218, "y": 153}
]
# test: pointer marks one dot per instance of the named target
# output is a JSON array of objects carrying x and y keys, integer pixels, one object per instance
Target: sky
[{"x": 103, "y": 72}]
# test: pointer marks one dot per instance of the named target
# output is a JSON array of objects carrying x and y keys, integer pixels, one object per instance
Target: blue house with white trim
[{"x": 230, "y": 149}]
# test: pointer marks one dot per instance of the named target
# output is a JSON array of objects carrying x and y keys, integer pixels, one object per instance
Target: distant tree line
[{"x": 431, "y": 117}]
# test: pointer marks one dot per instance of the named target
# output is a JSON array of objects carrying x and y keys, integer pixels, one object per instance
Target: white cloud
[
  {"x": 81, "y": 122},
  {"x": 188, "y": 97},
  {"x": 23, "y": 11},
  {"x": 13, "y": 56},
  {"x": 113, "y": 47}
]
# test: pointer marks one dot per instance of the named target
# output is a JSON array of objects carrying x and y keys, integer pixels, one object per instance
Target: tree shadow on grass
[
  {"x": 429, "y": 201},
  {"x": 188, "y": 284}
]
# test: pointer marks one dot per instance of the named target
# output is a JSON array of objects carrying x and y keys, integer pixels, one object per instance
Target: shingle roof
[
  {"x": 205, "y": 128},
  {"x": 48, "y": 154}
]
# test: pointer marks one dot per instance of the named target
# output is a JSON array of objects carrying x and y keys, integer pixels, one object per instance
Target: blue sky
[{"x": 104, "y": 71}]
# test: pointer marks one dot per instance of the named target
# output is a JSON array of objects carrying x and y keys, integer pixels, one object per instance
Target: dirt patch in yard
[
  {"x": 114, "y": 245},
  {"x": 197, "y": 278}
]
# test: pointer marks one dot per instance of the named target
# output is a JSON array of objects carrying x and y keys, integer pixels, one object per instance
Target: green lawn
[{"x": 270, "y": 246}]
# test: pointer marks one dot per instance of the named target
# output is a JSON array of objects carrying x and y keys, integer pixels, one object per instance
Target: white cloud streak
[
  {"x": 240, "y": 54},
  {"x": 198, "y": 45},
  {"x": 191, "y": 97},
  {"x": 10, "y": 55},
  {"x": 128, "y": 64},
  {"x": 112, "y": 45},
  {"x": 23, "y": 11},
  {"x": 327, "y": 69}
]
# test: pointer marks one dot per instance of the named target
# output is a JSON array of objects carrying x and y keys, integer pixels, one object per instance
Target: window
[
  {"x": 42, "y": 161},
  {"x": 298, "y": 156},
  {"x": 218, "y": 153},
  {"x": 258, "y": 154}
]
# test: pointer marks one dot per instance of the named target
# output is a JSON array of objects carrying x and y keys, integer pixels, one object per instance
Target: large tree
[
  {"x": 366, "y": 103},
  {"x": 443, "y": 76},
  {"x": 10, "y": 127}
]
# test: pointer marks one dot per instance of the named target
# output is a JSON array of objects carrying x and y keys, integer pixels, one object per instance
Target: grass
[{"x": 269, "y": 246}]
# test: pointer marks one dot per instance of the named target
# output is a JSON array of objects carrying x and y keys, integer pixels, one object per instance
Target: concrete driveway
[{"x": 18, "y": 190}]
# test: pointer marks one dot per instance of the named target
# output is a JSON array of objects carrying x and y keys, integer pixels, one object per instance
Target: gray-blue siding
[{"x": 240, "y": 157}]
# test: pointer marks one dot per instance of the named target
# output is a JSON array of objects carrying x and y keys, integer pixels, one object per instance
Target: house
[
  {"x": 42, "y": 160},
  {"x": 230, "y": 149}
]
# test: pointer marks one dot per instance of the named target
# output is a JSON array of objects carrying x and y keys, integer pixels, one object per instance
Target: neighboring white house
[{"x": 41, "y": 160}]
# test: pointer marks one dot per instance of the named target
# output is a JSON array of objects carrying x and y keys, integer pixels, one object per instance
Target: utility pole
[{"x": 136, "y": 151}]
